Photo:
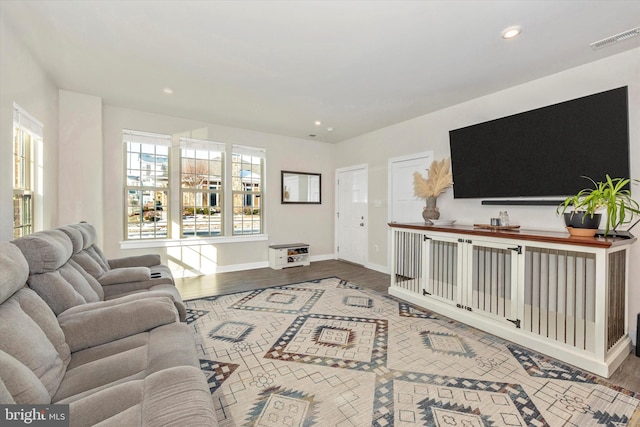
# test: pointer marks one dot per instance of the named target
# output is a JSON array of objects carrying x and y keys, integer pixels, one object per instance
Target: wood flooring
[{"x": 627, "y": 376}]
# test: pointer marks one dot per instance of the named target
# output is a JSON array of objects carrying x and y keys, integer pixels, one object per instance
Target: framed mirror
[{"x": 301, "y": 187}]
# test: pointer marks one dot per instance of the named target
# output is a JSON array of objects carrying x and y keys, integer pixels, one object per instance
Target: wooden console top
[{"x": 521, "y": 234}]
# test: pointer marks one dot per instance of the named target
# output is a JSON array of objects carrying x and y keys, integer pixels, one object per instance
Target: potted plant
[
  {"x": 439, "y": 179},
  {"x": 584, "y": 209}
]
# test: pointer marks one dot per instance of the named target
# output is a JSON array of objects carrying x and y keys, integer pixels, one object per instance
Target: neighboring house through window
[{"x": 27, "y": 138}]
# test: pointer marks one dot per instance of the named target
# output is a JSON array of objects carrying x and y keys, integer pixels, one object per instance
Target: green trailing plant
[{"x": 609, "y": 196}]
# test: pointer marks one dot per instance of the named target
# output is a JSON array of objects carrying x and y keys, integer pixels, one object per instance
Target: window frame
[
  {"x": 192, "y": 144},
  {"x": 175, "y": 204},
  {"x": 27, "y": 139},
  {"x": 243, "y": 193},
  {"x": 164, "y": 209}
]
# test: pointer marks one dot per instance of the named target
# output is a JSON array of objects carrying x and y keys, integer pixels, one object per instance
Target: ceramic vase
[{"x": 431, "y": 210}]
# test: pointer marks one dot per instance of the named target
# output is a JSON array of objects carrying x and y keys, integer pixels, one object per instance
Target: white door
[
  {"x": 351, "y": 214},
  {"x": 403, "y": 204}
]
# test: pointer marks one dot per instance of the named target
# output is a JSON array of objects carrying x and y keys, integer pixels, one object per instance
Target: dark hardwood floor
[
  {"x": 239, "y": 281},
  {"x": 627, "y": 376}
]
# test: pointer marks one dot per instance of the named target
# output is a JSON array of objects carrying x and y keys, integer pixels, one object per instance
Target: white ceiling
[{"x": 277, "y": 66}]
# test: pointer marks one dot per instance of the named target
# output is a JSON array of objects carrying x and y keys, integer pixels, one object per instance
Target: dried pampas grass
[{"x": 440, "y": 178}]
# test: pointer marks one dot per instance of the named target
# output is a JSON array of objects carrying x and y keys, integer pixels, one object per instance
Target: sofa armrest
[
  {"x": 125, "y": 275},
  {"x": 137, "y": 296},
  {"x": 148, "y": 260},
  {"x": 108, "y": 323}
]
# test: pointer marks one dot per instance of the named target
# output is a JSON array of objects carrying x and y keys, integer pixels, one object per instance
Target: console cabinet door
[
  {"x": 443, "y": 268},
  {"x": 474, "y": 275},
  {"x": 491, "y": 284}
]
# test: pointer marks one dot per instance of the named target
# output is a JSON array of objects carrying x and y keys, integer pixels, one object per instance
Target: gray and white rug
[{"x": 329, "y": 353}]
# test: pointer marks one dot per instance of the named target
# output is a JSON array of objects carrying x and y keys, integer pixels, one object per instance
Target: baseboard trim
[{"x": 377, "y": 267}]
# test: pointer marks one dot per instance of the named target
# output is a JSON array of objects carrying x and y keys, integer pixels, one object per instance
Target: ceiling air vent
[{"x": 615, "y": 39}]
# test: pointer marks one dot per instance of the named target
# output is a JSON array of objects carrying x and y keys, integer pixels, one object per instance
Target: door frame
[
  {"x": 336, "y": 234},
  {"x": 390, "y": 162}
]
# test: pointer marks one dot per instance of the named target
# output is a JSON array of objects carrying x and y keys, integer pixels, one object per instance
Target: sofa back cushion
[
  {"x": 58, "y": 279},
  {"x": 14, "y": 268},
  {"x": 85, "y": 257},
  {"x": 89, "y": 237},
  {"x": 45, "y": 251},
  {"x": 31, "y": 335},
  {"x": 33, "y": 353}
]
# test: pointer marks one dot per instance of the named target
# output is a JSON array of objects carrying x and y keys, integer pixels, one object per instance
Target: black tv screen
[{"x": 543, "y": 152}]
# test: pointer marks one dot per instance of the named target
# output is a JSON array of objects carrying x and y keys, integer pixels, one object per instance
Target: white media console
[{"x": 563, "y": 296}]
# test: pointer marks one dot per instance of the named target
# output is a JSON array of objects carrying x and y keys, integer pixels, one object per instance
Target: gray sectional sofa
[
  {"x": 117, "y": 276},
  {"x": 125, "y": 361},
  {"x": 64, "y": 274}
]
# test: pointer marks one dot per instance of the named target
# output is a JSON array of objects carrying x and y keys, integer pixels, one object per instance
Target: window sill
[{"x": 169, "y": 243}]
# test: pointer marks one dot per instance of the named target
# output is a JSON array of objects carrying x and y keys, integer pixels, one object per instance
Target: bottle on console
[{"x": 504, "y": 218}]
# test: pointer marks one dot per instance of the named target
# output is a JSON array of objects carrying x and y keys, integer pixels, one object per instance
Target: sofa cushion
[
  {"x": 19, "y": 384},
  {"x": 45, "y": 250},
  {"x": 14, "y": 268},
  {"x": 163, "y": 289},
  {"x": 31, "y": 334},
  {"x": 89, "y": 263},
  {"x": 146, "y": 260},
  {"x": 176, "y": 396},
  {"x": 127, "y": 359},
  {"x": 5, "y": 395},
  {"x": 125, "y": 275},
  {"x": 89, "y": 237},
  {"x": 63, "y": 289},
  {"x": 106, "y": 323}
]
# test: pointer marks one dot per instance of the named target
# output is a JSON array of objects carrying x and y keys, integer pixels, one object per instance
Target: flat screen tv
[{"x": 544, "y": 152}]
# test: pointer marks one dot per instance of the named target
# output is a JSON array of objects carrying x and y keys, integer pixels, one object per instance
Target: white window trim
[
  {"x": 255, "y": 152},
  {"x": 201, "y": 144},
  {"x": 139, "y": 137},
  {"x": 35, "y": 127},
  {"x": 27, "y": 121},
  {"x": 170, "y": 243},
  {"x": 206, "y": 145},
  {"x": 147, "y": 138}
]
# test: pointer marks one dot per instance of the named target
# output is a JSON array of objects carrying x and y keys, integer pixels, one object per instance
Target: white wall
[
  {"x": 430, "y": 132},
  {"x": 311, "y": 224},
  {"x": 80, "y": 159},
  {"x": 23, "y": 81}
]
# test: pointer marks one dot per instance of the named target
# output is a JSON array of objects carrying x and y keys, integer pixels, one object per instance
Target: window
[
  {"x": 247, "y": 170},
  {"x": 147, "y": 185},
  {"x": 202, "y": 184},
  {"x": 27, "y": 135},
  {"x": 220, "y": 188}
]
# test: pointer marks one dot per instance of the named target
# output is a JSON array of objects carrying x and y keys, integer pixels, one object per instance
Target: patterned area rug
[{"x": 328, "y": 353}]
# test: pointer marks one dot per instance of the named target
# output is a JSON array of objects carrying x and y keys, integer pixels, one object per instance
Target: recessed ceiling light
[
  {"x": 329, "y": 129},
  {"x": 317, "y": 122},
  {"x": 167, "y": 90},
  {"x": 511, "y": 32}
]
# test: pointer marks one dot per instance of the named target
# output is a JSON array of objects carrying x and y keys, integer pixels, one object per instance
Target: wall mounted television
[{"x": 544, "y": 152}]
